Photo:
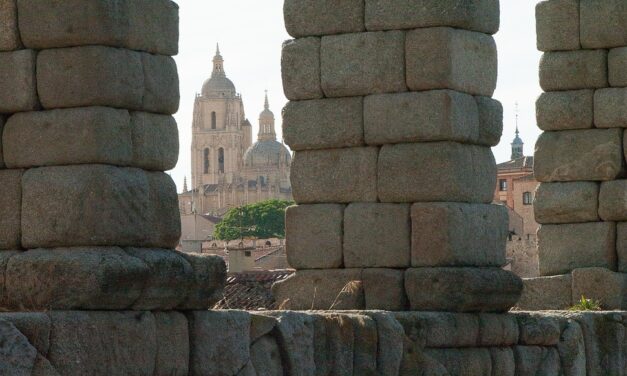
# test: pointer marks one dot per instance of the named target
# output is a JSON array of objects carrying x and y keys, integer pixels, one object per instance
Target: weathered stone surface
[
  {"x": 477, "y": 361},
  {"x": 446, "y": 58},
  {"x": 169, "y": 279},
  {"x": 304, "y": 18},
  {"x": 35, "y": 326},
  {"x": 314, "y": 236},
  {"x": 536, "y": 360},
  {"x": 320, "y": 348},
  {"x": 266, "y": 356},
  {"x": 573, "y": 70},
  {"x": 340, "y": 342},
  {"x": 324, "y": 123},
  {"x": 321, "y": 289},
  {"x": 475, "y": 15},
  {"x": 384, "y": 289},
  {"x": 161, "y": 84},
  {"x": 90, "y": 76},
  {"x": 454, "y": 234},
  {"x": 563, "y": 248},
  {"x": 17, "y": 355},
  {"x": 572, "y": 351},
  {"x": 546, "y": 293},
  {"x": 462, "y": 289},
  {"x": 610, "y": 108},
  {"x": 390, "y": 338},
  {"x": 10, "y": 208},
  {"x": 377, "y": 235},
  {"x": 603, "y": 24},
  {"x": 503, "y": 362},
  {"x": 436, "y": 171},
  {"x": 74, "y": 278},
  {"x": 621, "y": 246},
  {"x": 365, "y": 345},
  {"x": 54, "y": 218},
  {"x": 219, "y": 342},
  {"x": 300, "y": 69},
  {"x": 438, "y": 115},
  {"x": 103, "y": 343},
  {"x": 9, "y": 33},
  {"x": 536, "y": 329},
  {"x": 135, "y": 24},
  {"x": 68, "y": 136},
  {"x": 351, "y": 172},
  {"x": 571, "y": 202},
  {"x": 440, "y": 329},
  {"x": 598, "y": 158},
  {"x": 498, "y": 330},
  {"x": 2, "y": 121},
  {"x": 604, "y": 335},
  {"x": 172, "y": 344},
  {"x": 18, "y": 85},
  {"x": 563, "y": 110},
  {"x": 260, "y": 326},
  {"x": 557, "y": 25},
  {"x": 43, "y": 367},
  {"x": 490, "y": 120},
  {"x": 208, "y": 283},
  {"x": 603, "y": 285},
  {"x": 4, "y": 260},
  {"x": 296, "y": 338},
  {"x": 363, "y": 63},
  {"x": 613, "y": 200},
  {"x": 616, "y": 61},
  {"x": 155, "y": 141}
]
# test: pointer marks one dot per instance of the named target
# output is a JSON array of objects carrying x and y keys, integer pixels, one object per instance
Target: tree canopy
[{"x": 262, "y": 220}]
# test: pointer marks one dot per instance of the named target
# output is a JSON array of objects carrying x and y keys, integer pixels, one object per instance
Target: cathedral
[{"x": 228, "y": 170}]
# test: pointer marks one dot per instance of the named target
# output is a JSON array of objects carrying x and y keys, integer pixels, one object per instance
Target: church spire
[
  {"x": 517, "y": 144},
  {"x": 266, "y": 123},
  {"x": 218, "y": 63}
]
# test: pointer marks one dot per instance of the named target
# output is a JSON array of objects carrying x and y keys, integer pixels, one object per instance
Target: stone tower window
[
  {"x": 503, "y": 185},
  {"x": 206, "y": 161},
  {"x": 213, "y": 120},
  {"x": 527, "y": 199},
  {"x": 221, "y": 160}
]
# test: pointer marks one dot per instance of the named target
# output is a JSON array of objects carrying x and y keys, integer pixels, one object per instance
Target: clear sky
[{"x": 250, "y": 33}]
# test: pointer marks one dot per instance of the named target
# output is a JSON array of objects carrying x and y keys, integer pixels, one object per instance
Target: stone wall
[
  {"x": 391, "y": 120},
  {"x": 88, "y": 218},
  {"x": 237, "y": 343},
  {"x": 580, "y": 158}
]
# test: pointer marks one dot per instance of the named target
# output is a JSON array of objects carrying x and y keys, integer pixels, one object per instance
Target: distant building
[
  {"x": 515, "y": 188},
  {"x": 228, "y": 170}
]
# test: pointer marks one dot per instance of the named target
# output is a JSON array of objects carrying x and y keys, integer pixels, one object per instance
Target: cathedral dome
[
  {"x": 218, "y": 86},
  {"x": 267, "y": 152}
]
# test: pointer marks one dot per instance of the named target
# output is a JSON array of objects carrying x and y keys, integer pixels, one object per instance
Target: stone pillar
[
  {"x": 580, "y": 158},
  {"x": 88, "y": 218},
  {"x": 391, "y": 120}
]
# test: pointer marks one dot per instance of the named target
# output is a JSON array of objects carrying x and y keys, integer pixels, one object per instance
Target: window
[
  {"x": 247, "y": 253},
  {"x": 503, "y": 185},
  {"x": 527, "y": 199},
  {"x": 206, "y": 161},
  {"x": 213, "y": 120},
  {"x": 221, "y": 161}
]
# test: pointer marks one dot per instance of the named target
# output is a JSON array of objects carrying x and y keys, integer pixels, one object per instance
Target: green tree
[{"x": 262, "y": 220}]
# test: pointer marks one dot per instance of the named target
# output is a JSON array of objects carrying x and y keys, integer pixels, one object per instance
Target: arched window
[
  {"x": 221, "y": 161},
  {"x": 213, "y": 120},
  {"x": 268, "y": 243},
  {"x": 527, "y": 199},
  {"x": 206, "y": 161}
]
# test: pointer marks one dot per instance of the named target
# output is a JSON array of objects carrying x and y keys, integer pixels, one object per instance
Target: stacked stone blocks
[
  {"x": 88, "y": 218},
  {"x": 581, "y": 202},
  {"x": 391, "y": 120}
]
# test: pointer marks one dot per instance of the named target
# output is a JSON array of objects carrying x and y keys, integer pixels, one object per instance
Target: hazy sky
[{"x": 250, "y": 33}]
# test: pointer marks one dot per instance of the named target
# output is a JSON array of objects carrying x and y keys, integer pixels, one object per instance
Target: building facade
[
  {"x": 516, "y": 187},
  {"x": 228, "y": 169}
]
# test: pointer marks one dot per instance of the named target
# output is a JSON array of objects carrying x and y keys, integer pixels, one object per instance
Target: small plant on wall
[{"x": 586, "y": 305}]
